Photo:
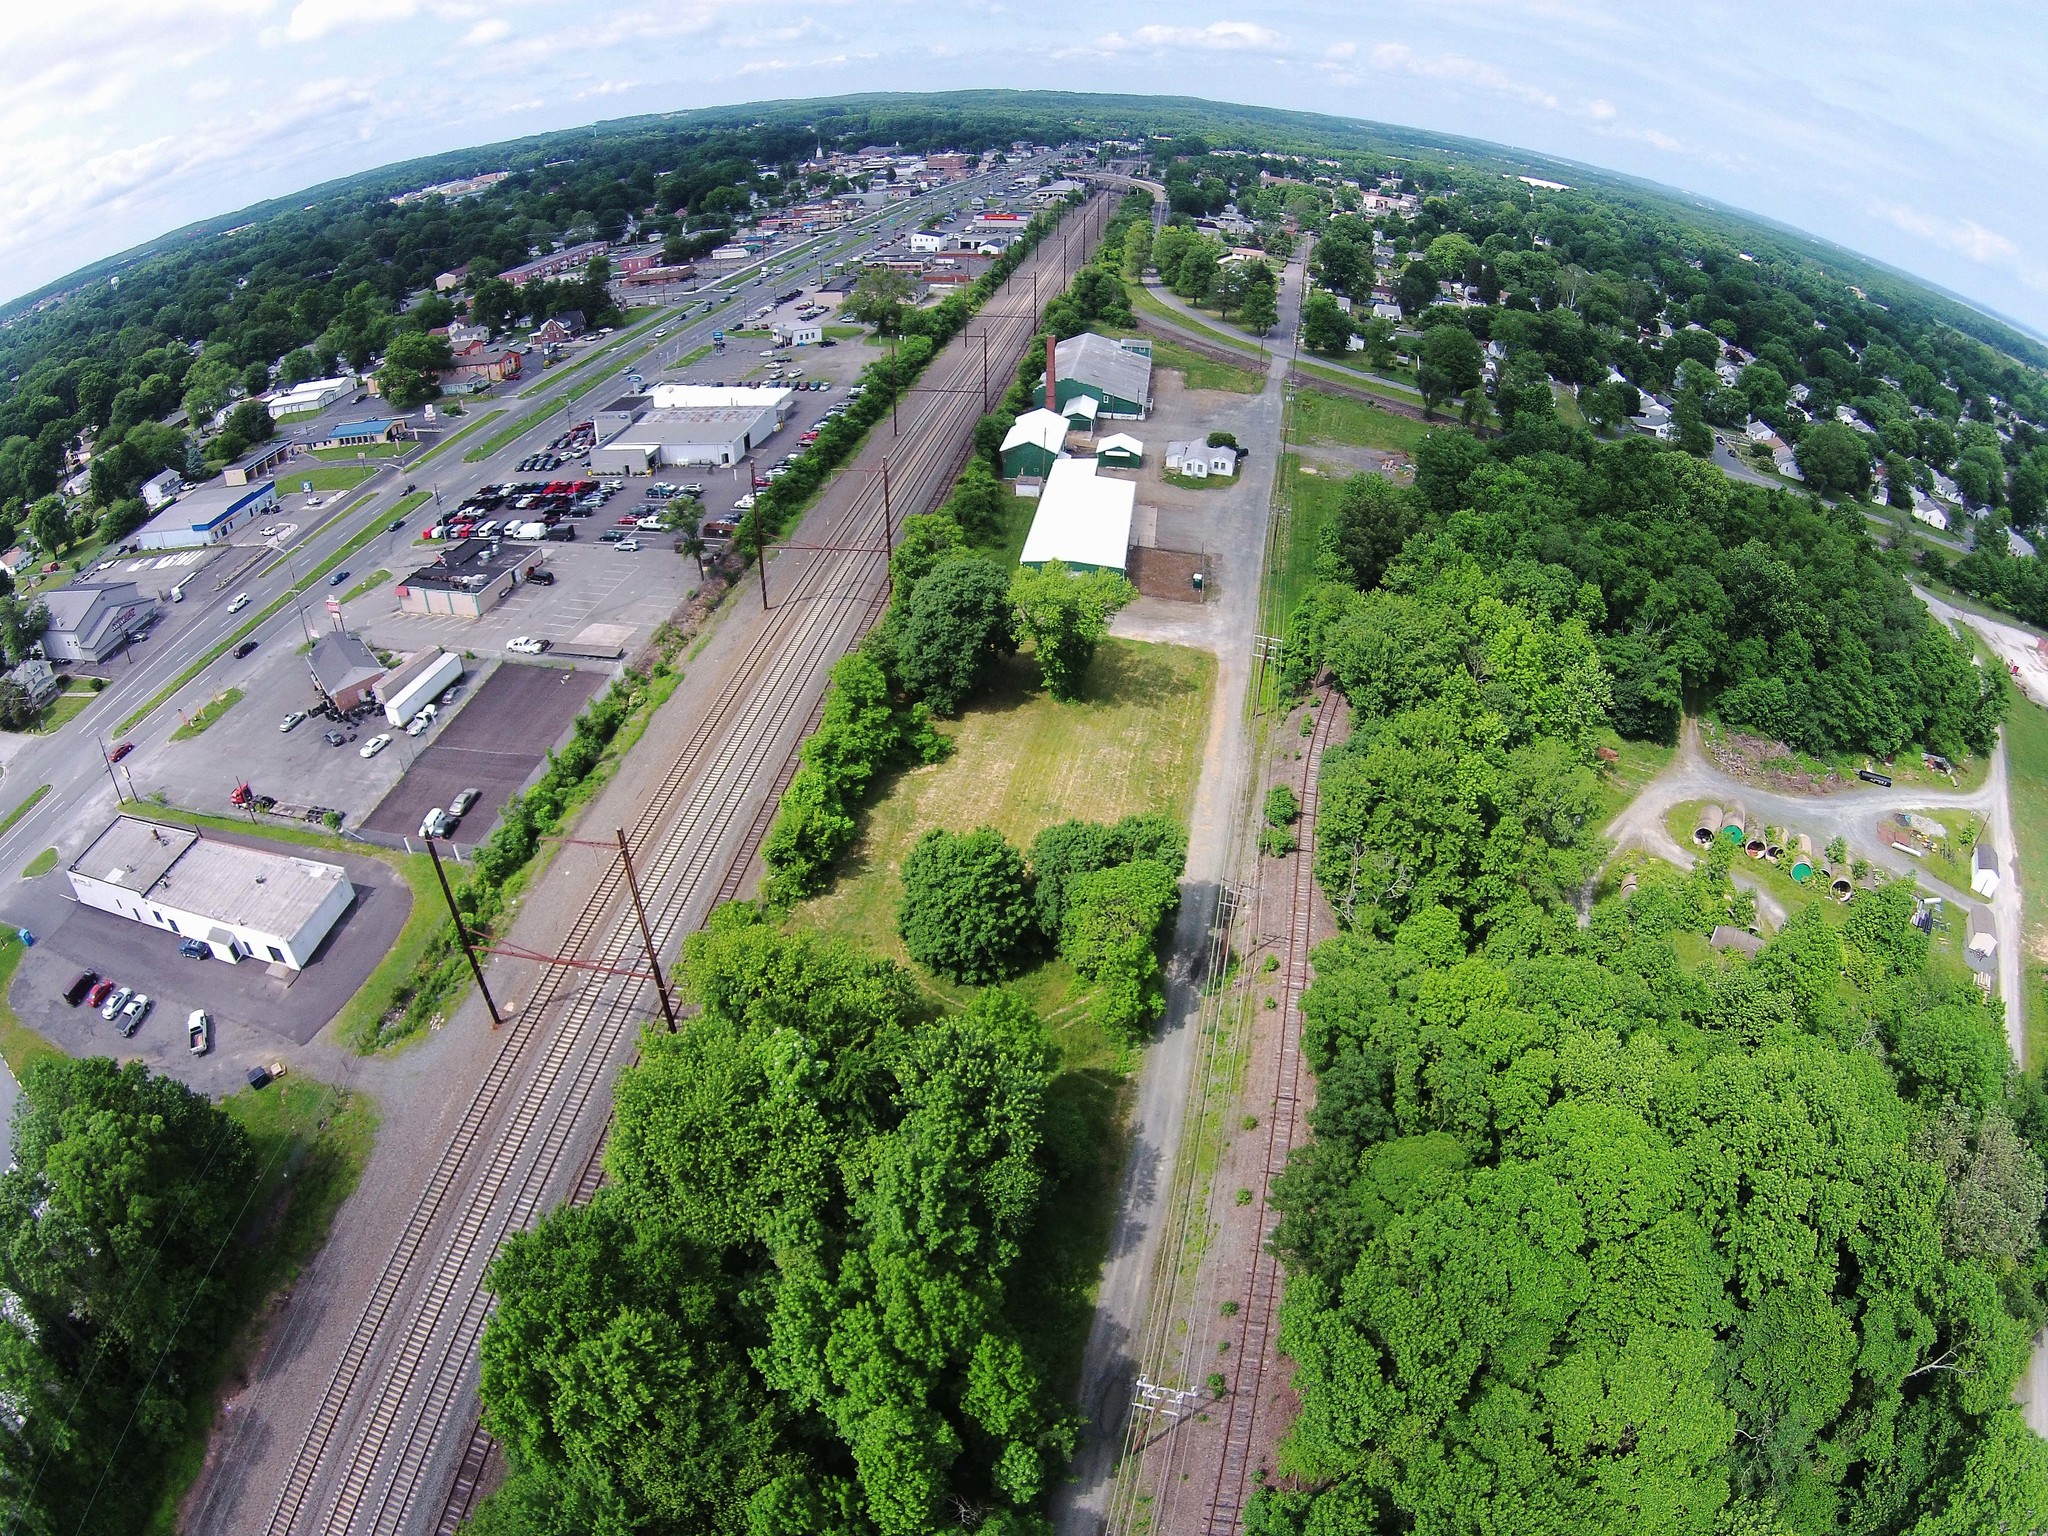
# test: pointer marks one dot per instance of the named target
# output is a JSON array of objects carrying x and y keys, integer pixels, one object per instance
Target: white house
[
  {"x": 1197, "y": 460},
  {"x": 927, "y": 240},
  {"x": 1984, "y": 876},
  {"x": 160, "y": 488},
  {"x": 239, "y": 902},
  {"x": 1930, "y": 514},
  {"x": 799, "y": 334},
  {"x": 36, "y": 678}
]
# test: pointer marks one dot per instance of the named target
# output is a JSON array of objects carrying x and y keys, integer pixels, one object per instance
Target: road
[
  {"x": 360, "y": 1407},
  {"x": 70, "y": 760},
  {"x": 1128, "y": 1299}
]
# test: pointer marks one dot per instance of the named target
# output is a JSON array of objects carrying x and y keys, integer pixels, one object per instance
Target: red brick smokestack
[{"x": 1052, "y": 382}]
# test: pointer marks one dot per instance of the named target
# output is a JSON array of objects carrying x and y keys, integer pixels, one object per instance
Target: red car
[
  {"x": 98, "y": 994},
  {"x": 121, "y": 751}
]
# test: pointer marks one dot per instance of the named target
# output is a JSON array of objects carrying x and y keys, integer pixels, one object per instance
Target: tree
[
  {"x": 1110, "y": 935},
  {"x": 1065, "y": 616},
  {"x": 878, "y": 297},
  {"x": 1450, "y": 364},
  {"x": 956, "y": 631},
  {"x": 966, "y": 908},
  {"x": 1324, "y": 327},
  {"x": 410, "y": 363},
  {"x": 1377, "y": 332},
  {"x": 50, "y": 525},
  {"x": 1258, "y": 306},
  {"x": 206, "y": 390},
  {"x": 1415, "y": 288},
  {"x": 1833, "y": 459},
  {"x": 1374, "y": 519}
]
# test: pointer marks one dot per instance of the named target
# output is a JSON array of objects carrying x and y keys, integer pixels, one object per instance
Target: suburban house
[
  {"x": 478, "y": 361},
  {"x": 37, "y": 679},
  {"x": 1032, "y": 443},
  {"x": 1083, "y": 519},
  {"x": 160, "y": 488},
  {"x": 1117, "y": 374},
  {"x": 566, "y": 326},
  {"x": 1984, "y": 875},
  {"x": 1197, "y": 460},
  {"x": 91, "y": 620}
]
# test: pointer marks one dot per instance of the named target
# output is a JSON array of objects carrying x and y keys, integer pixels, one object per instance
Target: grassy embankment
[
  {"x": 312, "y": 1142},
  {"x": 2026, "y": 766},
  {"x": 1022, "y": 762},
  {"x": 363, "y": 536},
  {"x": 1145, "y": 302},
  {"x": 325, "y": 479},
  {"x": 1333, "y": 373},
  {"x": 40, "y": 865},
  {"x": 1201, "y": 372},
  {"x": 207, "y": 714},
  {"x": 368, "y": 584},
  {"x": 361, "y": 451},
  {"x": 21, "y": 810}
]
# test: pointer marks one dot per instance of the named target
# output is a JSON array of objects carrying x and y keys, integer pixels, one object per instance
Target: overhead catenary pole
[
  {"x": 462, "y": 935},
  {"x": 668, "y": 1010}
]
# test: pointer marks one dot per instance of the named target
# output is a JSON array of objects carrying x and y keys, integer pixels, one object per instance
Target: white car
[
  {"x": 312, "y": 501},
  {"x": 525, "y": 645},
  {"x": 374, "y": 745},
  {"x": 292, "y": 720},
  {"x": 419, "y": 723},
  {"x": 199, "y": 1032},
  {"x": 241, "y": 601},
  {"x": 627, "y": 546},
  {"x": 745, "y": 503},
  {"x": 266, "y": 533}
]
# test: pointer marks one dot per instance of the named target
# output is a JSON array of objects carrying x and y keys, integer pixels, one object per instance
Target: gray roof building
[
  {"x": 1117, "y": 374},
  {"x": 91, "y": 620},
  {"x": 344, "y": 668}
]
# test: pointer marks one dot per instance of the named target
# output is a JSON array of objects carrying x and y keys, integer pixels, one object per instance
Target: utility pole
[
  {"x": 462, "y": 935},
  {"x": 760, "y": 548},
  {"x": 668, "y": 1010},
  {"x": 110, "y": 766},
  {"x": 888, "y": 517}
]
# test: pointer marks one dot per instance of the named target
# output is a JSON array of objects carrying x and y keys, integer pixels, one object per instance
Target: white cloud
[
  {"x": 485, "y": 33},
  {"x": 1967, "y": 238},
  {"x": 1217, "y": 36},
  {"x": 312, "y": 20},
  {"x": 1456, "y": 69}
]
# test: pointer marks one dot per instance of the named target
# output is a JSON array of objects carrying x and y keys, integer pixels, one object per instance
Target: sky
[{"x": 1905, "y": 131}]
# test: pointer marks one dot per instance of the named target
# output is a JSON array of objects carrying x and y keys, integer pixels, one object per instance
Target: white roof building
[
  {"x": 236, "y": 900},
  {"x": 1083, "y": 519}
]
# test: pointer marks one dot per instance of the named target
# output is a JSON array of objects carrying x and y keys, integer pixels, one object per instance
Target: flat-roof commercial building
[
  {"x": 262, "y": 461},
  {"x": 358, "y": 434},
  {"x": 776, "y": 397},
  {"x": 702, "y": 434},
  {"x": 309, "y": 396},
  {"x": 237, "y": 901},
  {"x": 206, "y": 516},
  {"x": 1117, "y": 373},
  {"x": 1083, "y": 519},
  {"x": 468, "y": 578}
]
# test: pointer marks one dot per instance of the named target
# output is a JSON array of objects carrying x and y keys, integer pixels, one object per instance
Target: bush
[
  {"x": 1283, "y": 806},
  {"x": 1111, "y": 934},
  {"x": 966, "y": 909}
]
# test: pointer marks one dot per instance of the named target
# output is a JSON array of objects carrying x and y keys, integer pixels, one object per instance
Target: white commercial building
[
  {"x": 237, "y": 901},
  {"x": 696, "y": 434},
  {"x": 309, "y": 396},
  {"x": 1083, "y": 519},
  {"x": 207, "y": 515},
  {"x": 775, "y": 397}
]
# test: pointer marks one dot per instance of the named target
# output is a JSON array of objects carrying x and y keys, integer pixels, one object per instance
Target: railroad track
[{"x": 411, "y": 1351}]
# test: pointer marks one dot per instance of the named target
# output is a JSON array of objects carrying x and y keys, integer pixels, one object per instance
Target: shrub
[
  {"x": 966, "y": 909},
  {"x": 1283, "y": 806},
  {"x": 1110, "y": 934}
]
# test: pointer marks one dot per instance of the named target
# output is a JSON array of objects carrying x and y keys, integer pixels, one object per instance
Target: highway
[
  {"x": 70, "y": 760},
  {"x": 357, "y": 1416}
]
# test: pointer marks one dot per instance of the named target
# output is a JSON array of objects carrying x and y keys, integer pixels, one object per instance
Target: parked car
[
  {"x": 199, "y": 1032},
  {"x": 525, "y": 645},
  {"x": 133, "y": 1015},
  {"x": 421, "y": 722},
  {"x": 436, "y": 824},
  {"x": 337, "y": 578},
  {"x": 98, "y": 994},
  {"x": 459, "y": 806},
  {"x": 541, "y": 575},
  {"x": 192, "y": 949},
  {"x": 292, "y": 721},
  {"x": 120, "y": 751},
  {"x": 239, "y": 602},
  {"x": 116, "y": 1001},
  {"x": 247, "y": 647},
  {"x": 334, "y": 738},
  {"x": 374, "y": 745},
  {"x": 81, "y": 984},
  {"x": 628, "y": 546}
]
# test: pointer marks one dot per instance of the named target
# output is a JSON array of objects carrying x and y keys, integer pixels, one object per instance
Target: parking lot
[
  {"x": 500, "y": 735},
  {"x": 254, "y": 1012}
]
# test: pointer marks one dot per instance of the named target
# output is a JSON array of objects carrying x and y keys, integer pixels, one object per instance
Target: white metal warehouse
[{"x": 1083, "y": 519}]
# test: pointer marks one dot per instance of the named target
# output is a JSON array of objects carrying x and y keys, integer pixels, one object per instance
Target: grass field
[
  {"x": 1312, "y": 502},
  {"x": 366, "y": 450},
  {"x": 208, "y": 714},
  {"x": 842, "y": 332},
  {"x": 1145, "y": 302},
  {"x": 62, "y": 710},
  {"x": 369, "y": 583},
  {"x": 1342, "y": 419},
  {"x": 1021, "y": 762},
  {"x": 1201, "y": 372},
  {"x": 40, "y": 865},
  {"x": 19, "y": 1044},
  {"x": 1641, "y": 761},
  {"x": 332, "y": 477},
  {"x": 2026, "y": 763},
  {"x": 694, "y": 356},
  {"x": 1332, "y": 374},
  {"x": 311, "y": 1143}
]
